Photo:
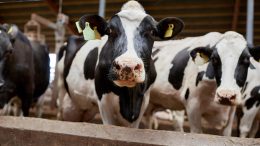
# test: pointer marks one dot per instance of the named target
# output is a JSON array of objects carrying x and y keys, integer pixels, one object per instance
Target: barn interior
[{"x": 200, "y": 17}]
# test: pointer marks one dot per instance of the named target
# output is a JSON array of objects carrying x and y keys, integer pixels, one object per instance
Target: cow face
[
  {"x": 131, "y": 33},
  {"x": 7, "y": 33},
  {"x": 230, "y": 61}
]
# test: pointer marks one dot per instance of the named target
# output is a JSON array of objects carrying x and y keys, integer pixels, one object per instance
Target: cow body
[
  {"x": 24, "y": 70},
  {"x": 115, "y": 73},
  {"x": 180, "y": 84}
]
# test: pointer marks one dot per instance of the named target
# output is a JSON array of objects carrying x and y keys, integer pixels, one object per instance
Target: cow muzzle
[
  {"x": 227, "y": 97},
  {"x": 129, "y": 72}
]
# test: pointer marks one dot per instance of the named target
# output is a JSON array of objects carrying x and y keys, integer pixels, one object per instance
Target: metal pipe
[
  {"x": 102, "y": 6},
  {"x": 250, "y": 22}
]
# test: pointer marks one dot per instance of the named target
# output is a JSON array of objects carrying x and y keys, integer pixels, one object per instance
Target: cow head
[
  {"x": 7, "y": 35},
  {"x": 131, "y": 34},
  {"x": 230, "y": 61}
]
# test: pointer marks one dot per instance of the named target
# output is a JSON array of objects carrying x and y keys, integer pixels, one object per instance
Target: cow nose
[
  {"x": 127, "y": 68},
  {"x": 226, "y": 97}
]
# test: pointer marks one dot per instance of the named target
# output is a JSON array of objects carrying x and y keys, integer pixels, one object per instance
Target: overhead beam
[
  {"x": 235, "y": 15},
  {"x": 55, "y": 8},
  {"x": 250, "y": 22}
]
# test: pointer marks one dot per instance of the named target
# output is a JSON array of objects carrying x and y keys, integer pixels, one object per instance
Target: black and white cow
[
  {"x": 117, "y": 71},
  {"x": 182, "y": 85},
  {"x": 249, "y": 122},
  {"x": 24, "y": 70},
  {"x": 233, "y": 70}
]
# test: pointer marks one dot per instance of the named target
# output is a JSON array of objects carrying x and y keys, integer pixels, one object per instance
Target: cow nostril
[
  {"x": 137, "y": 67},
  {"x": 117, "y": 66},
  {"x": 233, "y": 97}
]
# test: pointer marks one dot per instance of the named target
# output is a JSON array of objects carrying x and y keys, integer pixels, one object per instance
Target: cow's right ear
[
  {"x": 95, "y": 22},
  {"x": 255, "y": 53},
  {"x": 201, "y": 55}
]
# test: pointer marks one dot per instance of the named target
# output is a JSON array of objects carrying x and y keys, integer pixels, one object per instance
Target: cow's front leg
[
  {"x": 194, "y": 115},
  {"x": 69, "y": 110},
  {"x": 254, "y": 128}
]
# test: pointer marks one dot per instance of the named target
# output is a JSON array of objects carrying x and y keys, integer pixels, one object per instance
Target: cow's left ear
[
  {"x": 201, "y": 55},
  {"x": 95, "y": 22},
  {"x": 11, "y": 29},
  {"x": 169, "y": 27},
  {"x": 255, "y": 53}
]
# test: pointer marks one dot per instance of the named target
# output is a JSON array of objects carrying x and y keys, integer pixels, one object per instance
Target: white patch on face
[{"x": 230, "y": 49}]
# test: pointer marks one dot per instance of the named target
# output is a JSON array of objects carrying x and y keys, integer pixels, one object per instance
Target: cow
[
  {"x": 114, "y": 75},
  {"x": 249, "y": 122},
  {"x": 68, "y": 51},
  {"x": 233, "y": 71},
  {"x": 24, "y": 67},
  {"x": 183, "y": 85}
]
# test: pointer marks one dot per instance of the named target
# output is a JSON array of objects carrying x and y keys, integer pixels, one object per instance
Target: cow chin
[{"x": 127, "y": 83}]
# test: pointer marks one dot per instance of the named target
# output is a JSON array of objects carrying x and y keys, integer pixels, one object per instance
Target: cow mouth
[{"x": 125, "y": 83}]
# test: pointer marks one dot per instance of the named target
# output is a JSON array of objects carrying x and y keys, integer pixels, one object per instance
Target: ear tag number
[
  {"x": 88, "y": 33},
  {"x": 169, "y": 31},
  {"x": 78, "y": 27}
]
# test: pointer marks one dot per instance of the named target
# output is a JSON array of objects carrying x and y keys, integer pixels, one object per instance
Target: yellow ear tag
[
  {"x": 10, "y": 30},
  {"x": 169, "y": 31},
  {"x": 97, "y": 35},
  {"x": 88, "y": 33},
  {"x": 78, "y": 27}
]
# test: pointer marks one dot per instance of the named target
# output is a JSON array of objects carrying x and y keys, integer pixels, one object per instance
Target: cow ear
[
  {"x": 255, "y": 53},
  {"x": 169, "y": 27},
  {"x": 95, "y": 22},
  {"x": 12, "y": 30},
  {"x": 201, "y": 55}
]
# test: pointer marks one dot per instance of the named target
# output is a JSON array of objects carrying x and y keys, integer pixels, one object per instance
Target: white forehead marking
[
  {"x": 131, "y": 15},
  {"x": 230, "y": 48}
]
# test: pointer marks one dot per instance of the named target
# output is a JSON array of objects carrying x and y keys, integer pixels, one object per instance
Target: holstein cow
[
  {"x": 230, "y": 64},
  {"x": 192, "y": 87},
  {"x": 117, "y": 71},
  {"x": 179, "y": 83},
  {"x": 249, "y": 123},
  {"x": 68, "y": 51},
  {"x": 24, "y": 71}
]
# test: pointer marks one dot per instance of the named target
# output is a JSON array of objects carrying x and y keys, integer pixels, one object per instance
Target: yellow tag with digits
[
  {"x": 169, "y": 31},
  {"x": 78, "y": 27},
  {"x": 97, "y": 35},
  {"x": 88, "y": 33}
]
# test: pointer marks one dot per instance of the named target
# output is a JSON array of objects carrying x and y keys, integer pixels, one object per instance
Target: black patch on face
[
  {"x": 130, "y": 99},
  {"x": 143, "y": 40},
  {"x": 216, "y": 64},
  {"x": 155, "y": 52},
  {"x": 244, "y": 88},
  {"x": 244, "y": 96},
  {"x": 199, "y": 77},
  {"x": 242, "y": 68},
  {"x": 179, "y": 62},
  {"x": 90, "y": 64},
  {"x": 61, "y": 52},
  {"x": 254, "y": 99},
  {"x": 210, "y": 71},
  {"x": 74, "y": 43},
  {"x": 187, "y": 93}
]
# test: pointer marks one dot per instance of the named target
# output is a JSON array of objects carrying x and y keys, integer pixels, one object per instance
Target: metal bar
[
  {"x": 250, "y": 22},
  {"x": 102, "y": 6}
]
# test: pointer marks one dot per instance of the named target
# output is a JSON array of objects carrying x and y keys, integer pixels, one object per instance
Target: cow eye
[
  {"x": 214, "y": 60},
  {"x": 246, "y": 60}
]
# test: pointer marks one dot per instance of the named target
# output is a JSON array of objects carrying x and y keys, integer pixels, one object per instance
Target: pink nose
[
  {"x": 226, "y": 97},
  {"x": 127, "y": 70}
]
